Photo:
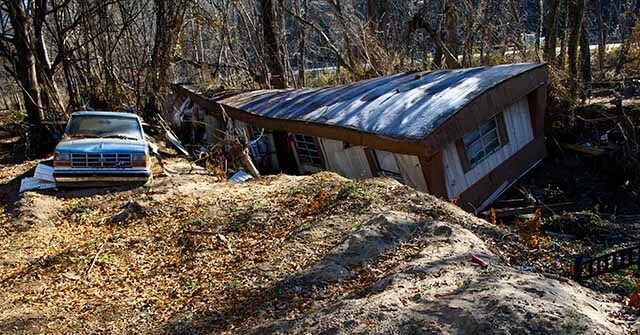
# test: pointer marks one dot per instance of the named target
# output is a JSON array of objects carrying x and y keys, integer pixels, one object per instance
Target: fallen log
[
  {"x": 594, "y": 151},
  {"x": 507, "y": 213}
]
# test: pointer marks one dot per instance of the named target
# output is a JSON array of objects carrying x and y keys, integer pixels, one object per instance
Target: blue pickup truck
[{"x": 102, "y": 149}]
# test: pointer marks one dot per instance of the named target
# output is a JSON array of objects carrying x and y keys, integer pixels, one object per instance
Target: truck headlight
[
  {"x": 61, "y": 159},
  {"x": 140, "y": 160}
]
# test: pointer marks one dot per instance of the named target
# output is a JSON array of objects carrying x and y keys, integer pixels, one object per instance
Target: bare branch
[{"x": 327, "y": 41}]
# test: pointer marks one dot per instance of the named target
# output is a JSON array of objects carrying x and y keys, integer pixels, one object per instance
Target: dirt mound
[
  {"x": 188, "y": 254},
  {"x": 377, "y": 235},
  {"x": 440, "y": 292}
]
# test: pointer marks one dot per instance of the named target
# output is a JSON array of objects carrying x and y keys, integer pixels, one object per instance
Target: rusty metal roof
[{"x": 407, "y": 106}]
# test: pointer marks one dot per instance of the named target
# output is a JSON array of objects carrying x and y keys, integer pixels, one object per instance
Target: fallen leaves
[
  {"x": 150, "y": 254},
  {"x": 531, "y": 230}
]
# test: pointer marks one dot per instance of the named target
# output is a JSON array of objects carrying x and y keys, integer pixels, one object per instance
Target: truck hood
[{"x": 101, "y": 145}]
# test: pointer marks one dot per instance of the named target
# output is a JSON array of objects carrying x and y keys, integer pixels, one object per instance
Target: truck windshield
[{"x": 104, "y": 126}]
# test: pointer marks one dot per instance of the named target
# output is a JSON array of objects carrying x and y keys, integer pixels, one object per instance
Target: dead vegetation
[{"x": 190, "y": 254}]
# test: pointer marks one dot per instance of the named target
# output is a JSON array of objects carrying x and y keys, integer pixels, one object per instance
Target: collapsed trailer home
[{"x": 464, "y": 134}]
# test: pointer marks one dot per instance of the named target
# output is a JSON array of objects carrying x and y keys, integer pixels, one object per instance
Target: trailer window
[
  {"x": 482, "y": 142},
  {"x": 307, "y": 150}
]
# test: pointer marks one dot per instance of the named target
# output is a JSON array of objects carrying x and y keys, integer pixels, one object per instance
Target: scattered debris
[
  {"x": 479, "y": 261},
  {"x": 604, "y": 263},
  {"x": 93, "y": 262},
  {"x": 130, "y": 210},
  {"x": 240, "y": 176},
  {"x": 42, "y": 179},
  {"x": 170, "y": 136},
  {"x": 523, "y": 267},
  {"x": 510, "y": 213},
  {"x": 175, "y": 142},
  {"x": 586, "y": 148}
]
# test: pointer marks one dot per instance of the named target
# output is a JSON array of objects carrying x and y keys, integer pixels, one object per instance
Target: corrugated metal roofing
[{"x": 408, "y": 105}]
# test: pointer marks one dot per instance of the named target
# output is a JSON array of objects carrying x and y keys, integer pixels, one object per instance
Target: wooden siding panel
[
  {"x": 213, "y": 126},
  {"x": 434, "y": 171},
  {"x": 537, "y": 104},
  {"x": 519, "y": 130},
  {"x": 350, "y": 162},
  {"x": 411, "y": 171}
]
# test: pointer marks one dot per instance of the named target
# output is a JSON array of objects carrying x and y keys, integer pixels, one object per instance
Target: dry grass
[
  {"x": 193, "y": 255},
  {"x": 191, "y": 246}
]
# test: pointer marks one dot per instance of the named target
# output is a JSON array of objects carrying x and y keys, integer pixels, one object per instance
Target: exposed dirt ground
[{"x": 319, "y": 254}]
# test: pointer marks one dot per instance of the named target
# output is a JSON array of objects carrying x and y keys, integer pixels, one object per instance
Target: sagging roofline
[
  {"x": 352, "y": 136},
  {"x": 483, "y": 106}
]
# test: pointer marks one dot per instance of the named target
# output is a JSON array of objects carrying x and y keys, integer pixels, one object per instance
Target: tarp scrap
[
  {"x": 42, "y": 179},
  {"x": 240, "y": 176}
]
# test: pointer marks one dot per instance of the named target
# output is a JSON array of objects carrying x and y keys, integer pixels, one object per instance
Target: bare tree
[
  {"x": 551, "y": 23},
  {"x": 420, "y": 21},
  {"x": 602, "y": 44},
  {"x": 585, "y": 62},
  {"x": 169, "y": 16},
  {"x": 273, "y": 45},
  {"x": 575, "y": 16}
]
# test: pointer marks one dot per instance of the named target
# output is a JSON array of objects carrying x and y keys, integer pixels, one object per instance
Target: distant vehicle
[{"x": 102, "y": 149}]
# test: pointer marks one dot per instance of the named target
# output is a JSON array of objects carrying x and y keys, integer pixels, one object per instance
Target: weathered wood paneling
[
  {"x": 411, "y": 171},
  {"x": 350, "y": 162},
  {"x": 520, "y": 132},
  {"x": 213, "y": 127}
]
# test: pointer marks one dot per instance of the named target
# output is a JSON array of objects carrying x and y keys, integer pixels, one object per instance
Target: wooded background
[{"x": 58, "y": 56}]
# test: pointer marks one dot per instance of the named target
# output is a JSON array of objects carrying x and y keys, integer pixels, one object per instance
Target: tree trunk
[
  {"x": 565, "y": 32},
  {"x": 301, "y": 47},
  {"x": 420, "y": 21},
  {"x": 539, "y": 23},
  {"x": 625, "y": 39},
  {"x": 602, "y": 44},
  {"x": 551, "y": 23},
  {"x": 49, "y": 92},
  {"x": 585, "y": 62},
  {"x": 575, "y": 15},
  {"x": 169, "y": 18},
  {"x": 451, "y": 31},
  {"x": 272, "y": 45},
  {"x": 25, "y": 63},
  {"x": 375, "y": 15}
]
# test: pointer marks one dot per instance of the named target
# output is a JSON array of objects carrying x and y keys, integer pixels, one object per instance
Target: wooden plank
[
  {"x": 594, "y": 151},
  {"x": 513, "y": 212},
  {"x": 433, "y": 170}
]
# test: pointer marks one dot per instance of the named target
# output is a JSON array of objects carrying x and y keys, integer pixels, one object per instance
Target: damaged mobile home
[{"x": 466, "y": 134}]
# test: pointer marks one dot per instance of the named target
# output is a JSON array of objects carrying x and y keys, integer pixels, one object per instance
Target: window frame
[
  {"x": 502, "y": 138},
  {"x": 302, "y": 153},
  {"x": 376, "y": 168}
]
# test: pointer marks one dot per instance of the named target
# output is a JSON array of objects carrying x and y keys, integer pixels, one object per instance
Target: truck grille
[{"x": 111, "y": 160}]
